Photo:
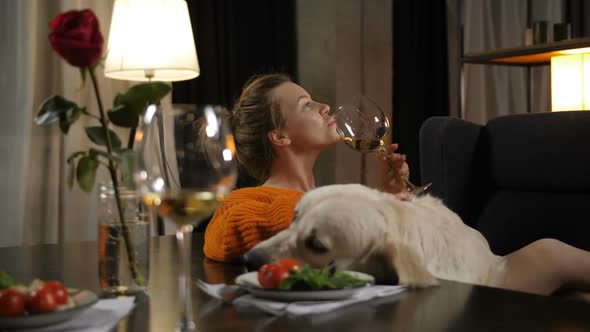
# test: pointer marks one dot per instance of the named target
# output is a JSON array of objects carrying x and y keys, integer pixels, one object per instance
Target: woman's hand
[{"x": 397, "y": 170}]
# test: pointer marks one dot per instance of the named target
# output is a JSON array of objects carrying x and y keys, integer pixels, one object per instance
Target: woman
[{"x": 279, "y": 132}]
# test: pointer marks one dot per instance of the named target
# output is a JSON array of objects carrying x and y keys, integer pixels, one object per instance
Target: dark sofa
[{"x": 517, "y": 179}]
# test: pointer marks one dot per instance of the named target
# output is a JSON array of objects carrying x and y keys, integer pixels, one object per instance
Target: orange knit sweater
[{"x": 248, "y": 216}]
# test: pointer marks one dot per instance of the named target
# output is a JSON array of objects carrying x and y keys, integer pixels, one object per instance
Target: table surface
[{"x": 451, "y": 306}]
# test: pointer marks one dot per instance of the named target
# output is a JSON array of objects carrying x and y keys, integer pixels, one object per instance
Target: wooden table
[{"x": 450, "y": 307}]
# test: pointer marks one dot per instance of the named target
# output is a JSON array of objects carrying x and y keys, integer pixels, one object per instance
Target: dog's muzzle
[{"x": 254, "y": 259}]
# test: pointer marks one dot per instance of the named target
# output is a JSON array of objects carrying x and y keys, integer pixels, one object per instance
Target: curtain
[
  {"x": 236, "y": 39},
  {"x": 37, "y": 205},
  {"x": 420, "y": 72},
  {"x": 491, "y": 90}
]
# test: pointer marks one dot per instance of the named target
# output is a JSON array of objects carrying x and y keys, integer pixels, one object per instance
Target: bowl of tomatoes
[{"x": 39, "y": 303}]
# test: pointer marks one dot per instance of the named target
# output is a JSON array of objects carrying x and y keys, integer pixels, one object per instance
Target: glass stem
[{"x": 184, "y": 236}]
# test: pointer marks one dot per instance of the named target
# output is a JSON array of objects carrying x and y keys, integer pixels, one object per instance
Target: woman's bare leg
[{"x": 545, "y": 266}]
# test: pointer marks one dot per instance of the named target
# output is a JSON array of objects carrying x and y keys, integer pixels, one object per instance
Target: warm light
[
  {"x": 570, "y": 82},
  {"x": 576, "y": 51},
  {"x": 150, "y": 111},
  {"x": 227, "y": 155},
  {"x": 151, "y": 39},
  {"x": 212, "y": 128}
]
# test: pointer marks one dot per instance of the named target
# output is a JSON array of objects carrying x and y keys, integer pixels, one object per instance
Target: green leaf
[
  {"x": 135, "y": 101},
  {"x": 72, "y": 167},
  {"x": 148, "y": 93},
  {"x": 127, "y": 166},
  {"x": 97, "y": 136},
  {"x": 6, "y": 280},
  {"x": 123, "y": 116},
  {"x": 86, "y": 173},
  {"x": 75, "y": 155},
  {"x": 52, "y": 108},
  {"x": 68, "y": 118},
  {"x": 310, "y": 278},
  {"x": 95, "y": 152}
]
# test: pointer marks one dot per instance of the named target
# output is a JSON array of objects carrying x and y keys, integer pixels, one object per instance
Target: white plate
[
  {"x": 249, "y": 281},
  {"x": 83, "y": 299}
]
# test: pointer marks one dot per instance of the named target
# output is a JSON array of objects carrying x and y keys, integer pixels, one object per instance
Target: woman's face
[{"x": 308, "y": 125}]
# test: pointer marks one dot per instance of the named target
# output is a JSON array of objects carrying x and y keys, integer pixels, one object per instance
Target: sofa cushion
[
  {"x": 510, "y": 219},
  {"x": 543, "y": 152}
]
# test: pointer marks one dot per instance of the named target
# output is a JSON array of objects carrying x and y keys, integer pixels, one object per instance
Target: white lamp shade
[
  {"x": 570, "y": 82},
  {"x": 151, "y": 39}
]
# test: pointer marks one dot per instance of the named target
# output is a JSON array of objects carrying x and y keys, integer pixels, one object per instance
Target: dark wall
[
  {"x": 576, "y": 13},
  {"x": 420, "y": 72}
]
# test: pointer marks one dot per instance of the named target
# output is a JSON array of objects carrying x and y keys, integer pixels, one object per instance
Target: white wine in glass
[
  {"x": 362, "y": 125},
  {"x": 185, "y": 169},
  {"x": 183, "y": 207}
]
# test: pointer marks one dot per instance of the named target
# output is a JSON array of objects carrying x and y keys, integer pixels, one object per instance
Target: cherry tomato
[
  {"x": 12, "y": 303},
  {"x": 290, "y": 264},
  {"x": 271, "y": 275},
  {"x": 59, "y": 291},
  {"x": 41, "y": 301}
]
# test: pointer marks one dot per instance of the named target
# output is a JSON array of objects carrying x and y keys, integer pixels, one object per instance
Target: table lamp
[
  {"x": 151, "y": 40},
  {"x": 570, "y": 82}
]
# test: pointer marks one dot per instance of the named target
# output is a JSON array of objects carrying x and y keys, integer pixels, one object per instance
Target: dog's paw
[
  {"x": 410, "y": 269},
  {"x": 419, "y": 280}
]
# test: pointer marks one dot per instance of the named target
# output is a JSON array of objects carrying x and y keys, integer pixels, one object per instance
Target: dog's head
[
  {"x": 340, "y": 223},
  {"x": 326, "y": 228},
  {"x": 345, "y": 224}
]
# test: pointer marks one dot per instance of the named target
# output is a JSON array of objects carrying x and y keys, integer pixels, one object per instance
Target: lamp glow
[
  {"x": 570, "y": 82},
  {"x": 151, "y": 40}
]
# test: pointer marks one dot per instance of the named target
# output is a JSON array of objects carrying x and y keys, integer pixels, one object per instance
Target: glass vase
[{"x": 122, "y": 271}]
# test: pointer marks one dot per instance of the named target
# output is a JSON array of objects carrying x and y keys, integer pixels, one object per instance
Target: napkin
[
  {"x": 101, "y": 317},
  {"x": 363, "y": 294}
]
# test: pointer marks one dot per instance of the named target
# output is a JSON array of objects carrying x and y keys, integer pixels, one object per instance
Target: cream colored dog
[{"x": 367, "y": 230}]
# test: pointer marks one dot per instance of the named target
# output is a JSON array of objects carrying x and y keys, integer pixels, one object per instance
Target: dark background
[{"x": 236, "y": 39}]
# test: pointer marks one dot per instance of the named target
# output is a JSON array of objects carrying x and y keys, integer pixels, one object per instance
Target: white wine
[
  {"x": 184, "y": 207},
  {"x": 363, "y": 145}
]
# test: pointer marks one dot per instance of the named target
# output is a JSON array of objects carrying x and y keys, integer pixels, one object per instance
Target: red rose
[{"x": 76, "y": 37}]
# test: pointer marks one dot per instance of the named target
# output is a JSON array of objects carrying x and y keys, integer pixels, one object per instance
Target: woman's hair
[{"x": 254, "y": 114}]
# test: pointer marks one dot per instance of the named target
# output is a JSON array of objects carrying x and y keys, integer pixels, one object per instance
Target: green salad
[
  {"x": 6, "y": 281},
  {"x": 307, "y": 278}
]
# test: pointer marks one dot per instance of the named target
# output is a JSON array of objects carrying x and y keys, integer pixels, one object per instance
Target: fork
[{"x": 223, "y": 292}]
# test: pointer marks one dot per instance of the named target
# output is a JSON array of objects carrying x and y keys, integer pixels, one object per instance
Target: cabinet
[{"x": 528, "y": 56}]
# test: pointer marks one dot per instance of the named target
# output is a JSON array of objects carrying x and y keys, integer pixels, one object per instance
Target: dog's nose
[{"x": 254, "y": 259}]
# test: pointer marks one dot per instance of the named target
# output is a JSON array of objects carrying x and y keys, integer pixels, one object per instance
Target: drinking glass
[
  {"x": 362, "y": 125},
  {"x": 185, "y": 169}
]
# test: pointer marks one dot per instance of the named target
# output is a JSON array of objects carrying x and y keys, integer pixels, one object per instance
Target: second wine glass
[
  {"x": 362, "y": 125},
  {"x": 185, "y": 168}
]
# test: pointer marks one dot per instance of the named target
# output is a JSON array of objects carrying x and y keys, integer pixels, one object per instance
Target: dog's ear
[{"x": 410, "y": 270}]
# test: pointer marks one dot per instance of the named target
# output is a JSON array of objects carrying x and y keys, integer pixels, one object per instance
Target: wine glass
[
  {"x": 362, "y": 125},
  {"x": 185, "y": 168}
]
